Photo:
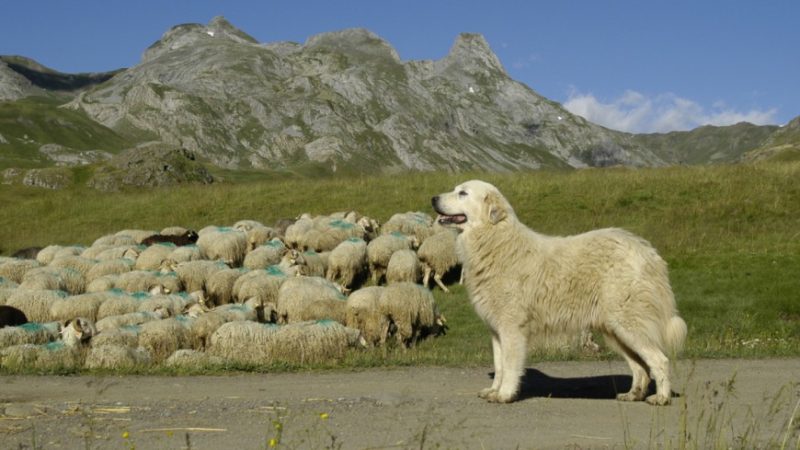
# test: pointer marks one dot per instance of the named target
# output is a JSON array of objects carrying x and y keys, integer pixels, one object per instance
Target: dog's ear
[{"x": 495, "y": 207}]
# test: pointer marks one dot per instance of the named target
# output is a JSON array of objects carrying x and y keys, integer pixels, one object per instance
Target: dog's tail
[{"x": 675, "y": 335}]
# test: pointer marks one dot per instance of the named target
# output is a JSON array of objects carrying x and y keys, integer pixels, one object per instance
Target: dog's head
[{"x": 472, "y": 204}]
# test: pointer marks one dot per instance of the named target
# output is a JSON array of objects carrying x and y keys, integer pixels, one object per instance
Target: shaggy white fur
[{"x": 522, "y": 282}]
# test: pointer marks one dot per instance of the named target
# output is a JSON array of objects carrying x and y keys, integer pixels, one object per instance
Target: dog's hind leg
[
  {"x": 654, "y": 359},
  {"x": 641, "y": 380}
]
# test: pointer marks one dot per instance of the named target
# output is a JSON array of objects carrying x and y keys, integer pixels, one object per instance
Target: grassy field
[{"x": 731, "y": 236}]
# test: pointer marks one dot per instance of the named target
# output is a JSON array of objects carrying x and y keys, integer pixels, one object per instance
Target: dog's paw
[
  {"x": 658, "y": 400},
  {"x": 485, "y": 393},
  {"x": 630, "y": 397},
  {"x": 497, "y": 397}
]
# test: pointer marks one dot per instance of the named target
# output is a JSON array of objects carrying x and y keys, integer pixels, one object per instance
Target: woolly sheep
[
  {"x": 225, "y": 244},
  {"x": 84, "y": 305},
  {"x": 260, "y": 284},
  {"x": 380, "y": 250},
  {"x": 47, "y": 357},
  {"x": 115, "y": 240},
  {"x": 412, "y": 310},
  {"x": 35, "y": 304},
  {"x": 219, "y": 286},
  {"x": 119, "y": 302},
  {"x": 310, "y": 298},
  {"x": 259, "y": 236},
  {"x": 252, "y": 343},
  {"x": 136, "y": 281},
  {"x": 188, "y": 237},
  {"x": 51, "y": 252},
  {"x": 117, "y": 357},
  {"x": 313, "y": 264},
  {"x": 152, "y": 257},
  {"x": 438, "y": 256},
  {"x": 193, "y": 274},
  {"x": 29, "y": 333},
  {"x": 347, "y": 261},
  {"x": 50, "y": 278},
  {"x": 206, "y": 324},
  {"x": 109, "y": 267},
  {"x": 186, "y": 253},
  {"x": 116, "y": 252},
  {"x": 327, "y": 233},
  {"x": 246, "y": 225},
  {"x": 126, "y": 335},
  {"x": 173, "y": 230},
  {"x": 5, "y": 283},
  {"x": 117, "y": 322},
  {"x": 364, "y": 314},
  {"x": 295, "y": 232},
  {"x": 137, "y": 235},
  {"x": 265, "y": 255},
  {"x": 417, "y": 224},
  {"x": 404, "y": 265},
  {"x": 173, "y": 303},
  {"x": 192, "y": 359},
  {"x": 77, "y": 331},
  {"x": 15, "y": 269},
  {"x": 11, "y": 317},
  {"x": 162, "y": 337}
]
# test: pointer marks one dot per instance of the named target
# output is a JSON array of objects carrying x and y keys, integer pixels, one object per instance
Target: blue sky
[{"x": 641, "y": 66}]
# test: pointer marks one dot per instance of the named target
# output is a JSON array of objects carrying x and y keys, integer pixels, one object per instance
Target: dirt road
[{"x": 563, "y": 405}]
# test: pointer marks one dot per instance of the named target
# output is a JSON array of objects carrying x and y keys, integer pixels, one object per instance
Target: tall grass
[{"x": 731, "y": 235}]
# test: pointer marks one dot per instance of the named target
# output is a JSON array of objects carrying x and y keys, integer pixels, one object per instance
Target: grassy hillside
[{"x": 729, "y": 233}]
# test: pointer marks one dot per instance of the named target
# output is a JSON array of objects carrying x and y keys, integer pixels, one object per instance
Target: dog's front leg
[
  {"x": 512, "y": 362},
  {"x": 498, "y": 368}
]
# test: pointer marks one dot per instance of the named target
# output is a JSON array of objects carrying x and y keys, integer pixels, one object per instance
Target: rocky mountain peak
[
  {"x": 353, "y": 41},
  {"x": 187, "y": 35},
  {"x": 471, "y": 51}
]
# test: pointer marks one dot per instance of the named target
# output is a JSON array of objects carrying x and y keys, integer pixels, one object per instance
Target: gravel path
[{"x": 720, "y": 403}]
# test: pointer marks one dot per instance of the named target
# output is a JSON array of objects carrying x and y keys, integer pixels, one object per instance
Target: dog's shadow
[{"x": 537, "y": 384}]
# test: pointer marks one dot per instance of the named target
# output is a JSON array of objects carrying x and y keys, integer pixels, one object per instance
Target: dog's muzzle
[{"x": 444, "y": 218}]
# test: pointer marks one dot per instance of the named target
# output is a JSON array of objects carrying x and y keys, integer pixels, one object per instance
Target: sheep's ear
[{"x": 495, "y": 207}]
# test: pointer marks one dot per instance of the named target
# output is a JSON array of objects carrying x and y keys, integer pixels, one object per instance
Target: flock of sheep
[{"x": 303, "y": 290}]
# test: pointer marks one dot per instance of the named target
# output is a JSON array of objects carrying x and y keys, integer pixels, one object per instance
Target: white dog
[{"x": 522, "y": 283}]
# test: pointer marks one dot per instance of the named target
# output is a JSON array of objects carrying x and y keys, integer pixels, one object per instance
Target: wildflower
[
  {"x": 126, "y": 435},
  {"x": 323, "y": 416},
  {"x": 273, "y": 443}
]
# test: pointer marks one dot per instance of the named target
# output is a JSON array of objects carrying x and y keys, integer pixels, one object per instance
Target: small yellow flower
[
  {"x": 126, "y": 435},
  {"x": 278, "y": 426},
  {"x": 323, "y": 416},
  {"x": 273, "y": 443}
]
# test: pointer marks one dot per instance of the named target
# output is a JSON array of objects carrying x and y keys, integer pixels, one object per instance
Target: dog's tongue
[{"x": 446, "y": 220}]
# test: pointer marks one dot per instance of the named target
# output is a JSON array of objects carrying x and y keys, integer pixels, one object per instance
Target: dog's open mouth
[{"x": 457, "y": 219}]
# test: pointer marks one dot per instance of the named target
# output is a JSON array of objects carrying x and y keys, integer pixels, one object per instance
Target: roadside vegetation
[{"x": 731, "y": 236}]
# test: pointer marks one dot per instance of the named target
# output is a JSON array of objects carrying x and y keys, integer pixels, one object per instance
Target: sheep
[
  {"x": 412, "y": 310},
  {"x": 115, "y": 240},
  {"x": 162, "y": 337},
  {"x": 251, "y": 343},
  {"x": 206, "y": 324},
  {"x": 35, "y": 304},
  {"x": 136, "y": 281},
  {"x": 310, "y": 298},
  {"x": 193, "y": 274},
  {"x": 404, "y": 265},
  {"x": 119, "y": 302},
  {"x": 258, "y": 236},
  {"x": 174, "y": 303},
  {"x": 126, "y": 335},
  {"x": 5, "y": 283},
  {"x": 281, "y": 225},
  {"x": 152, "y": 257},
  {"x": 84, "y": 305},
  {"x": 109, "y": 267},
  {"x": 417, "y": 224},
  {"x": 15, "y": 269},
  {"x": 27, "y": 253},
  {"x": 77, "y": 331},
  {"x": 47, "y": 278},
  {"x": 262, "y": 285},
  {"x": 363, "y": 313},
  {"x": 226, "y": 244},
  {"x": 51, "y": 252},
  {"x": 123, "y": 251},
  {"x": 29, "y": 333},
  {"x": 327, "y": 233},
  {"x": 188, "y": 237},
  {"x": 137, "y": 235},
  {"x": 11, "y": 317},
  {"x": 313, "y": 264},
  {"x": 117, "y": 357},
  {"x": 380, "y": 250},
  {"x": 295, "y": 232},
  {"x": 192, "y": 359},
  {"x": 347, "y": 261},
  {"x": 438, "y": 256},
  {"x": 53, "y": 356},
  {"x": 219, "y": 286},
  {"x": 265, "y": 255},
  {"x": 246, "y": 225},
  {"x": 110, "y": 323}
]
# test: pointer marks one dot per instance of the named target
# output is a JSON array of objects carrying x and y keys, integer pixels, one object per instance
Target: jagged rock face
[{"x": 345, "y": 100}]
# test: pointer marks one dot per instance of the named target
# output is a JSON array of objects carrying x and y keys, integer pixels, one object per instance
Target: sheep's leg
[
  {"x": 438, "y": 279},
  {"x": 427, "y": 276}
]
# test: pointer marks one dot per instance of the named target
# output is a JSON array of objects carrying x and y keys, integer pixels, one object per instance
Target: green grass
[{"x": 731, "y": 235}]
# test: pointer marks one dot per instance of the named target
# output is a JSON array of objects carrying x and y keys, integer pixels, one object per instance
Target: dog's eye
[{"x": 462, "y": 193}]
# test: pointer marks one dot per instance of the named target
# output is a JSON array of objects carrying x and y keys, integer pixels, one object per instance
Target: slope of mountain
[
  {"x": 783, "y": 145},
  {"x": 340, "y": 102}
]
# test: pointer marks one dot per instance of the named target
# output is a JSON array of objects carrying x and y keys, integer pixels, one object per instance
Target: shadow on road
[{"x": 535, "y": 384}]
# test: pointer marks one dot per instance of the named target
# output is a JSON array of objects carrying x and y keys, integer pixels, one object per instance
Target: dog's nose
[{"x": 434, "y": 200}]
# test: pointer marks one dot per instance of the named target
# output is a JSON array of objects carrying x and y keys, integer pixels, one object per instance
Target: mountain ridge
[{"x": 346, "y": 101}]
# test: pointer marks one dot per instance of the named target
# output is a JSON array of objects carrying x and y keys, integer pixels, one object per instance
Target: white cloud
[{"x": 637, "y": 113}]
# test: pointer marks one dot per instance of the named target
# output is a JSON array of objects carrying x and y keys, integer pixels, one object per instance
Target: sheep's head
[
  {"x": 168, "y": 265},
  {"x": 77, "y": 331}
]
